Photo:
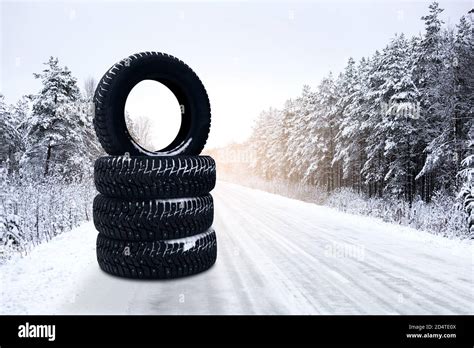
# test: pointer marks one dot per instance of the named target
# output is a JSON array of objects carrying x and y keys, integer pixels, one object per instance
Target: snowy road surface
[{"x": 276, "y": 256}]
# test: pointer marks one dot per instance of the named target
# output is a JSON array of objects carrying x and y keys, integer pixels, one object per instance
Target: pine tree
[
  {"x": 10, "y": 140},
  {"x": 298, "y": 144},
  {"x": 400, "y": 114},
  {"x": 464, "y": 90},
  {"x": 267, "y": 145},
  {"x": 347, "y": 148},
  {"x": 322, "y": 130},
  {"x": 54, "y": 136},
  {"x": 275, "y": 146},
  {"x": 286, "y": 123},
  {"x": 361, "y": 113},
  {"x": 428, "y": 77},
  {"x": 467, "y": 175},
  {"x": 463, "y": 115},
  {"x": 375, "y": 166}
]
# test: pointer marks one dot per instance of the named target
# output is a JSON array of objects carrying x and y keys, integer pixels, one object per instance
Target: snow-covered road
[{"x": 276, "y": 256}]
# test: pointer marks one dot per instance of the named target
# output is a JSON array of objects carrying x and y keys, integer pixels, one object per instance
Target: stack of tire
[{"x": 153, "y": 212}]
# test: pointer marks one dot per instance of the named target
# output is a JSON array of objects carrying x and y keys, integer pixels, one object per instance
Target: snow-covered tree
[
  {"x": 399, "y": 121},
  {"x": 375, "y": 166},
  {"x": 11, "y": 139},
  {"x": 464, "y": 115},
  {"x": 467, "y": 175},
  {"x": 321, "y": 140},
  {"x": 139, "y": 127},
  {"x": 433, "y": 107},
  {"x": 55, "y": 134},
  {"x": 347, "y": 147},
  {"x": 300, "y": 122},
  {"x": 89, "y": 88},
  {"x": 266, "y": 142},
  {"x": 464, "y": 90},
  {"x": 276, "y": 150}
]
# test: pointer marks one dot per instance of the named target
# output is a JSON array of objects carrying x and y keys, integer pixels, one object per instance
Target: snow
[
  {"x": 42, "y": 281},
  {"x": 275, "y": 256},
  {"x": 174, "y": 152},
  {"x": 179, "y": 149},
  {"x": 190, "y": 242}
]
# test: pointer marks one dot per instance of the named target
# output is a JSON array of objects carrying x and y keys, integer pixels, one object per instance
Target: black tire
[
  {"x": 154, "y": 177},
  {"x": 158, "y": 259},
  {"x": 112, "y": 91},
  {"x": 152, "y": 219}
]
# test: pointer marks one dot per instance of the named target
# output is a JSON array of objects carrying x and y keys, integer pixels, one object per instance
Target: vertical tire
[{"x": 114, "y": 87}]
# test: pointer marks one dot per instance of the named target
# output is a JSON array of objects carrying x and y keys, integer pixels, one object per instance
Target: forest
[
  {"x": 47, "y": 150},
  {"x": 396, "y": 125}
]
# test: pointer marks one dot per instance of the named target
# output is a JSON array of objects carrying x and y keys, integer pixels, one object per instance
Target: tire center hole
[{"x": 152, "y": 115}]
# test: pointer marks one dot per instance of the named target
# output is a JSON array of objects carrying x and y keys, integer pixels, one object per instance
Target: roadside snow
[{"x": 40, "y": 282}]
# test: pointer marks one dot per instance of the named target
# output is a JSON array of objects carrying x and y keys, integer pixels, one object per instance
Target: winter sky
[{"x": 249, "y": 55}]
